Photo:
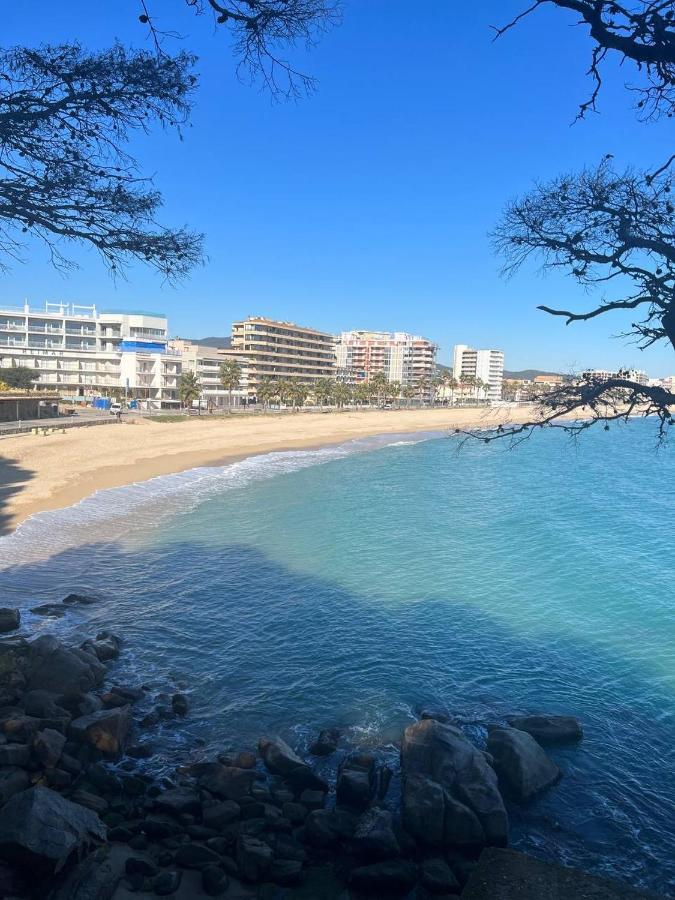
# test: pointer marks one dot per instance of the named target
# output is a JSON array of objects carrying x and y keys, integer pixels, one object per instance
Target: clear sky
[{"x": 368, "y": 205}]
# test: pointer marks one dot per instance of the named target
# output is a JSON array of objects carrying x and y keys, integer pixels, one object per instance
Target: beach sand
[{"x": 54, "y": 471}]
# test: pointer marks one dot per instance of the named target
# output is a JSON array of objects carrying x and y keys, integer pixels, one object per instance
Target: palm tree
[
  {"x": 267, "y": 391},
  {"x": 409, "y": 392},
  {"x": 189, "y": 389},
  {"x": 363, "y": 392},
  {"x": 422, "y": 388},
  {"x": 323, "y": 390},
  {"x": 285, "y": 391},
  {"x": 298, "y": 393},
  {"x": 379, "y": 383},
  {"x": 230, "y": 377},
  {"x": 394, "y": 390},
  {"x": 342, "y": 394}
]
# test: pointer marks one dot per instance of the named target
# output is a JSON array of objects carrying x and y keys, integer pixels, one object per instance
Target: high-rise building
[
  {"x": 205, "y": 362},
  {"x": 80, "y": 352},
  {"x": 406, "y": 358},
  {"x": 484, "y": 365},
  {"x": 282, "y": 351}
]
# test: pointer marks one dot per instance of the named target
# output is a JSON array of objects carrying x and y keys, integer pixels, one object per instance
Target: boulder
[
  {"x": 95, "y": 878},
  {"x": 396, "y": 877},
  {"x": 78, "y": 600},
  {"x": 195, "y": 856},
  {"x": 218, "y": 815},
  {"x": 280, "y": 760},
  {"x": 178, "y": 800},
  {"x": 10, "y": 619},
  {"x": 438, "y": 877},
  {"x": 107, "y": 730},
  {"x": 55, "y": 667},
  {"x": 12, "y": 780},
  {"x": 91, "y": 801},
  {"x": 423, "y": 810},
  {"x": 225, "y": 782},
  {"x": 51, "y": 610},
  {"x": 356, "y": 781},
  {"x": 549, "y": 729},
  {"x": 14, "y": 755},
  {"x": 443, "y": 755},
  {"x": 325, "y": 828},
  {"x": 167, "y": 883},
  {"x": 254, "y": 858},
  {"x": 326, "y": 743},
  {"x": 22, "y": 729},
  {"x": 105, "y": 649},
  {"x": 523, "y": 767},
  {"x": 43, "y": 705},
  {"x": 179, "y": 704},
  {"x": 48, "y": 746},
  {"x": 159, "y": 826},
  {"x": 214, "y": 881},
  {"x": 40, "y": 829},
  {"x": 285, "y": 872},
  {"x": 374, "y": 836}
]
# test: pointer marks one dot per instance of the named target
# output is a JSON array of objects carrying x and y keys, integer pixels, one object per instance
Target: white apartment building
[
  {"x": 636, "y": 375},
  {"x": 403, "y": 357},
  {"x": 485, "y": 365},
  {"x": 82, "y": 353},
  {"x": 205, "y": 362}
]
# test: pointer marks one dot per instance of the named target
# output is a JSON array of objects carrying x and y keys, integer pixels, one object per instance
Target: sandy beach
[{"x": 54, "y": 471}]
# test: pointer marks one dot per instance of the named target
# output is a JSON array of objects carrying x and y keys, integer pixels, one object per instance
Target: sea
[{"x": 353, "y": 586}]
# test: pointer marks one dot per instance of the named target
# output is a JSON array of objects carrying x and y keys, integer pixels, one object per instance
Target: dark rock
[
  {"x": 442, "y": 754},
  {"x": 355, "y": 786},
  {"x": 214, "y": 881},
  {"x": 12, "y": 882},
  {"x": 28, "y": 835},
  {"x": 159, "y": 825},
  {"x": 286, "y": 847},
  {"x": 10, "y": 619},
  {"x": 374, "y": 836},
  {"x": 221, "y": 814},
  {"x": 22, "y": 729},
  {"x": 179, "y": 704},
  {"x": 107, "y": 730},
  {"x": 79, "y": 600},
  {"x": 130, "y": 694},
  {"x": 103, "y": 780},
  {"x": 43, "y": 705},
  {"x": 254, "y": 858},
  {"x": 48, "y": 746},
  {"x": 58, "y": 779},
  {"x": 549, "y": 729},
  {"x": 179, "y": 800},
  {"x": 12, "y": 781},
  {"x": 70, "y": 764},
  {"x": 136, "y": 866},
  {"x": 438, "y": 877},
  {"x": 121, "y": 834},
  {"x": 136, "y": 882},
  {"x": 14, "y": 755},
  {"x": 326, "y": 828},
  {"x": 225, "y": 782},
  {"x": 110, "y": 700},
  {"x": 95, "y": 878},
  {"x": 195, "y": 856},
  {"x": 285, "y": 872},
  {"x": 438, "y": 715},
  {"x": 133, "y": 785},
  {"x": 91, "y": 801},
  {"x": 326, "y": 743},
  {"x": 245, "y": 760},
  {"x": 55, "y": 667},
  {"x": 104, "y": 650},
  {"x": 384, "y": 780},
  {"x": 220, "y": 844},
  {"x": 81, "y": 704},
  {"x": 141, "y": 750},
  {"x": 167, "y": 883},
  {"x": 523, "y": 767},
  {"x": 138, "y": 842},
  {"x": 201, "y": 832},
  {"x": 279, "y": 759},
  {"x": 312, "y": 799},
  {"x": 50, "y": 610},
  {"x": 396, "y": 876},
  {"x": 296, "y": 813}
]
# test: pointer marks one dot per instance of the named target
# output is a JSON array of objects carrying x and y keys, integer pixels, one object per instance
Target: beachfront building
[
  {"x": 281, "y": 351},
  {"x": 636, "y": 375},
  {"x": 406, "y": 358},
  {"x": 205, "y": 363},
  {"x": 82, "y": 353},
  {"x": 486, "y": 366}
]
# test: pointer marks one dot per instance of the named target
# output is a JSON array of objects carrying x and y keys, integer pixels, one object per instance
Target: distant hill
[
  {"x": 527, "y": 374},
  {"x": 222, "y": 343}
]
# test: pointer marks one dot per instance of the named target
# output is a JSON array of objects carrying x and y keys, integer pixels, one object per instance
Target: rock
[
  {"x": 225, "y": 782},
  {"x": 254, "y": 858},
  {"x": 141, "y": 750},
  {"x": 549, "y": 729},
  {"x": 285, "y": 872},
  {"x": 104, "y": 650},
  {"x": 12, "y": 780},
  {"x": 245, "y": 760},
  {"x": 396, "y": 876},
  {"x": 523, "y": 767},
  {"x": 48, "y": 746},
  {"x": 286, "y": 847},
  {"x": 178, "y": 800},
  {"x": 443, "y": 755},
  {"x": 312, "y": 799},
  {"x": 374, "y": 836},
  {"x": 121, "y": 834},
  {"x": 139, "y": 842},
  {"x": 91, "y": 801},
  {"x": 40, "y": 829},
  {"x": 214, "y": 881},
  {"x": 10, "y": 619},
  {"x": 136, "y": 866},
  {"x": 159, "y": 826},
  {"x": 95, "y": 878},
  {"x": 438, "y": 715},
  {"x": 78, "y": 600},
  {"x": 296, "y": 813},
  {"x": 81, "y": 704},
  {"x": 221, "y": 814},
  {"x": 43, "y": 705},
  {"x": 195, "y": 856},
  {"x": 356, "y": 783},
  {"x": 179, "y": 704},
  {"x": 55, "y": 667},
  {"x": 326, "y": 828},
  {"x": 326, "y": 743},
  {"x": 107, "y": 730},
  {"x": 51, "y": 610},
  {"x": 22, "y": 729},
  {"x": 130, "y": 694},
  {"x": 279, "y": 759},
  {"x": 14, "y": 755},
  {"x": 438, "y": 877},
  {"x": 111, "y": 700},
  {"x": 167, "y": 883}
]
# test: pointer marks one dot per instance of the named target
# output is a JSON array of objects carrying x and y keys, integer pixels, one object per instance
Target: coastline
[{"x": 40, "y": 473}]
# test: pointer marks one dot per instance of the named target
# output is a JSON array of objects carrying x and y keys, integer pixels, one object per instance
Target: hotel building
[
  {"x": 403, "y": 357},
  {"x": 205, "y": 362},
  {"x": 282, "y": 351},
  {"x": 485, "y": 365},
  {"x": 81, "y": 353}
]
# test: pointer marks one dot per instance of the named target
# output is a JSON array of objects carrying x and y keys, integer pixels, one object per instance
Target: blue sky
[{"x": 368, "y": 205}]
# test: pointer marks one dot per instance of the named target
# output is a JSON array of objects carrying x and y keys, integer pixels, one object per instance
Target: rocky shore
[{"x": 80, "y": 818}]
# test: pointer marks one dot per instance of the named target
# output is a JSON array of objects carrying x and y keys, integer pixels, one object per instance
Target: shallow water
[{"x": 352, "y": 585}]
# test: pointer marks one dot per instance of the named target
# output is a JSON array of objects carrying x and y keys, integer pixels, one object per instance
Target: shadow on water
[
  {"x": 12, "y": 479},
  {"x": 265, "y": 649}
]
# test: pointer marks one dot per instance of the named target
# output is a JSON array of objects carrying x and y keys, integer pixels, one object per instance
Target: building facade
[
  {"x": 205, "y": 362},
  {"x": 82, "y": 353},
  {"x": 406, "y": 358},
  {"x": 484, "y": 365},
  {"x": 636, "y": 375},
  {"x": 281, "y": 351}
]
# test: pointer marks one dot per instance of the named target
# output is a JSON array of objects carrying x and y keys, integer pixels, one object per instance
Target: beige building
[
  {"x": 406, "y": 358},
  {"x": 205, "y": 362},
  {"x": 484, "y": 365},
  {"x": 282, "y": 351}
]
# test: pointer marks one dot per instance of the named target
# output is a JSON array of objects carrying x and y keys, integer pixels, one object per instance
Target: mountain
[
  {"x": 527, "y": 374},
  {"x": 222, "y": 343}
]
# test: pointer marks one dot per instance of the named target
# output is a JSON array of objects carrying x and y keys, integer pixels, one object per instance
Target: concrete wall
[{"x": 13, "y": 409}]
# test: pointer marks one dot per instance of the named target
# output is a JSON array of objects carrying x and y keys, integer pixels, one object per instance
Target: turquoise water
[{"x": 352, "y": 586}]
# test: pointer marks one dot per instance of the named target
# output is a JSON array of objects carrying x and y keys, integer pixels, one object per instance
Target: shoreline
[{"x": 43, "y": 473}]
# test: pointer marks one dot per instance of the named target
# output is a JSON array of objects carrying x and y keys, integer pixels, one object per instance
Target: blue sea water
[{"x": 351, "y": 586}]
